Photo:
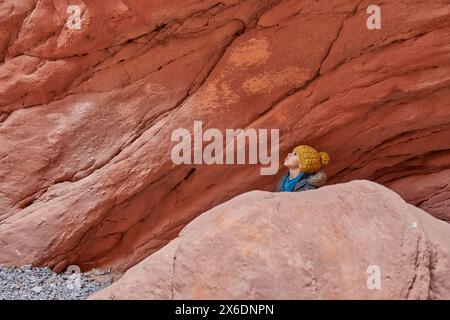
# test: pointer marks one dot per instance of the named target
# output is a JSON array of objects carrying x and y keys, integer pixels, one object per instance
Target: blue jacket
[{"x": 308, "y": 182}]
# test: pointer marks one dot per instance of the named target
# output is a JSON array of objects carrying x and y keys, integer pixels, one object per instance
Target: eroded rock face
[
  {"x": 86, "y": 115},
  {"x": 318, "y": 244}
]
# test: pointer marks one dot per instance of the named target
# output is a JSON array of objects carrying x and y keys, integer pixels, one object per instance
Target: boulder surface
[{"x": 357, "y": 240}]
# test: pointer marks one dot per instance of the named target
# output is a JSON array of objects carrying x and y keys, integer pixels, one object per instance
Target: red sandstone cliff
[{"x": 86, "y": 115}]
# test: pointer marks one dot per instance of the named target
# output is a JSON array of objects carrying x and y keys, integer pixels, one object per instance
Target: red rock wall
[{"x": 86, "y": 115}]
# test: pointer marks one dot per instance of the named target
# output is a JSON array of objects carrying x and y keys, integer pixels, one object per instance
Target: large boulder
[
  {"x": 330, "y": 243},
  {"x": 86, "y": 114}
]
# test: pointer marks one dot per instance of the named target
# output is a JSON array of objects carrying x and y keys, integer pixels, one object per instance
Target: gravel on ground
[{"x": 33, "y": 283}]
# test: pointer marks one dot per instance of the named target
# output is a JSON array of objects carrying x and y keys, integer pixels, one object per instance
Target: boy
[{"x": 304, "y": 164}]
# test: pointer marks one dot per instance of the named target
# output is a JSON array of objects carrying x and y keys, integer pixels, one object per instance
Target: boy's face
[{"x": 292, "y": 161}]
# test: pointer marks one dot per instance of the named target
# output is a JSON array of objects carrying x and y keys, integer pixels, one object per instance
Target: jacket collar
[{"x": 301, "y": 183}]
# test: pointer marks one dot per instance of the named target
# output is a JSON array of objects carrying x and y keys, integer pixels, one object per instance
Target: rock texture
[
  {"x": 86, "y": 115},
  {"x": 313, "y": 245},
  {"x": 28, "y": 283}
]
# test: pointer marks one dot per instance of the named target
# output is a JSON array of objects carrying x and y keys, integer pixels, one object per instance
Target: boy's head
[{"x": 308, "y": 159}]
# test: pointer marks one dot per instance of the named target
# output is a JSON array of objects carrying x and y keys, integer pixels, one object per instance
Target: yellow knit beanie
[{"x": 311, "y": 160}]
